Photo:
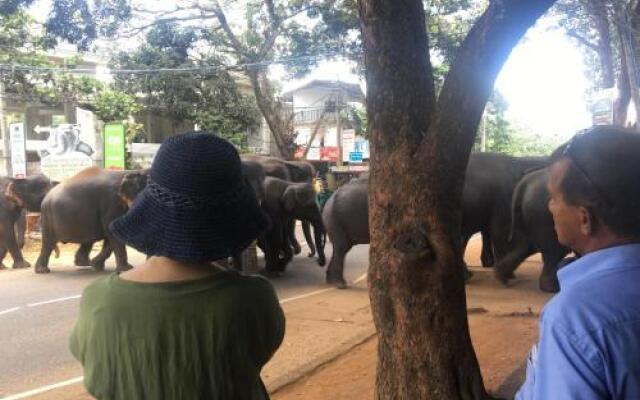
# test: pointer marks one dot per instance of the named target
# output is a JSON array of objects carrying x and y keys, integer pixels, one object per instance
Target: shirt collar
[{"x": 599, "y": 261}]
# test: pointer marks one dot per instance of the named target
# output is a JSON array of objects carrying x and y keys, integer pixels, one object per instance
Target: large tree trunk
[
  {"x": 628, "y": 50},
  {"x": 621, "y": 104},
  {"x": 272, "y": 112},
  {"x": 598, "y": 11},
  {"x": 419, "y": 151}
]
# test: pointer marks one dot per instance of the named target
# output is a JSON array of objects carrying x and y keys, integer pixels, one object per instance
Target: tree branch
[
  {"x": 135, "y": 31},
  {"x": 472, "y": 76},
  {"x": 583, "y": 41},
  {"x": 224, "y": 24},
  {"x": 314, "y": 133}
]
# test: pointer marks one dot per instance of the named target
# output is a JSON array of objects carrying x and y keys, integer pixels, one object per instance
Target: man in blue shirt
[{"x": 589, "y": 345}]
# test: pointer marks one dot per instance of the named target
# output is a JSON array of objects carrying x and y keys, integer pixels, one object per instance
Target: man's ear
[{"x": 588, "y": 222}]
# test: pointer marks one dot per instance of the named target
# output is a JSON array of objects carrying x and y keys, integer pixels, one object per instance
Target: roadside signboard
[
  {"x": 602, "y": 107},
  {"x": 348, "y": 143},
  {"x": 114, "y": 147},
  {"x": 18, "y": 151},
  {"x": 355, "y": 157}
]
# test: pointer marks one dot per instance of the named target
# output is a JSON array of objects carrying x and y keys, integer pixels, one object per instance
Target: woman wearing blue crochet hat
[{"x": 177, "y": 326}]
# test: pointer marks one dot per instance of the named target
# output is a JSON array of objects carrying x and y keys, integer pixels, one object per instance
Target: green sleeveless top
[{"x": 202, "y": 339}]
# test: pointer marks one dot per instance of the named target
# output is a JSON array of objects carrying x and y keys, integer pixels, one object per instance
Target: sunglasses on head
[{"x": 567, "y": 152}]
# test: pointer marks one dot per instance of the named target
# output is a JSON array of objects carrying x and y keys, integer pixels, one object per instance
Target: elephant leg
[
  {"x": 286, "y": 250},
  {"x": 320, "y": 238},
  {"x": 98, "y": 261},
  {"x": 306, "y": 229},
  {"x": 486, "y": 257},
  {"x": 293, "y": 241},
  {"x": 335, "y": 270},
  {"x": 463, "y": 248},
  {"x": 12, "y": 245},
  {"x": 3, "y": 253},
  {"x": 236, "y": 260},
  {"x": 271, "y": 251},
  {"x": 505, "y": 267},
  {"x": 81, "y": 258},
  {"x": 120, "y": 252},
  {"x": 48, "y": 245},
  {"x": 21, "y": 228},
  {"x": 551, "y": 256}
]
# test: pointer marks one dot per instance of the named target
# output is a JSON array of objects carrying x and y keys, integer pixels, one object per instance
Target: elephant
[
  {"x": 293, "y": 171},
  {"x": 254, "y": 173},
  {"x": 532, "y": 231},
  {"x": 16, "y": 195},
  {"x": 283, "y": 202},
  {"x": 132, "y": 184},
  {"x": 486, "y": 201},
  {"x": 80, "y": 211}
]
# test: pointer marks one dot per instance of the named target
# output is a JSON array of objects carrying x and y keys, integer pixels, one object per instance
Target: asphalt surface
[{"x": 37, "y": 312}]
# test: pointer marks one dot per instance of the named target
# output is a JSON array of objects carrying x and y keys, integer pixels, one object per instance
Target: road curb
[{"x": 313, "y": 366}]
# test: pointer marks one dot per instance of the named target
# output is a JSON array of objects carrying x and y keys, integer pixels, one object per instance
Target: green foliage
[
  {"x": 210, "y": 99},
  {"x": 503, "y": 137},
  {"x": 359, "y": 120},
  {"x": 115, "y": 106}
]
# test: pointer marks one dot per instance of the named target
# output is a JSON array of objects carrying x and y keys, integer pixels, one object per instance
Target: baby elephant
[{"x": 80, "y": 211}]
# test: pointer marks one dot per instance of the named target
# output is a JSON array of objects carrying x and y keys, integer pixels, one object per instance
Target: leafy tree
[
  {"x": 607, "y": 31},
  {"x": 210, "y": 98},
  {"x": 115, "y": 106},
  {"x": 420, "y": 145}
]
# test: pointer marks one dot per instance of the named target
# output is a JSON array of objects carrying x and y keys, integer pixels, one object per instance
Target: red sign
[{"x": 325, "y": 153}]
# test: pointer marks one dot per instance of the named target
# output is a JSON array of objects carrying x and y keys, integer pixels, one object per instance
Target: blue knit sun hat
[{"x": 196, "y": 206}]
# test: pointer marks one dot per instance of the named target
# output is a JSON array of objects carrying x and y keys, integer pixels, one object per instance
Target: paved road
[{"x": 37, "y": 313}]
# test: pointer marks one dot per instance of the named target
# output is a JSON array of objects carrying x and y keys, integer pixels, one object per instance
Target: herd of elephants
[{"x": 505, "y": 199}]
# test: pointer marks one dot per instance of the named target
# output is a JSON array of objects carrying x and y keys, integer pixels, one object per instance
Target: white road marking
[
  {"x": 43, "y": 389},
  {"x": 77, "y": 296},
  {"x": 10, "y": 310},
  {"x": 79, "y": 379}
]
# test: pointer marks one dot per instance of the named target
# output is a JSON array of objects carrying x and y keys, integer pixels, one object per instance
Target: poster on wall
[
  {"x": 114, "y": 147},
  {"x": 87, "y": 122},
  {"x": 348, "y": 143},
  {"x": 18, "y": 152},
  {"x": 65, "y": 152}
]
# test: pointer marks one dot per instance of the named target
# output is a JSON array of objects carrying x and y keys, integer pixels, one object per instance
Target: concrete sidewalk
[{"x": 320, "y": 326}]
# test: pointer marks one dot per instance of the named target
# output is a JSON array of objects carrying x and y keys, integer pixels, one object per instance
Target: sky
[{"x": 543, "y": 82}]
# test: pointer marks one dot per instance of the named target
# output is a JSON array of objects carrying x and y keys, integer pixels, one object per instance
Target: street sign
[
  {"x": 114, "y": 147},
  {"x": 18, "y": 151},
  {"x": 355, "y": 157}
]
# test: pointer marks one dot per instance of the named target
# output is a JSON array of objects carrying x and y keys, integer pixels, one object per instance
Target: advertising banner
[
  {"x": 18, "y": 152},
  {"x": 114, "y": 147},
  {"x": 65, "y": 153}
]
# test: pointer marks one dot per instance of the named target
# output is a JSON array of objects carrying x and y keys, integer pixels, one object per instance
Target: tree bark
[
  {"x": 621, "y": 104},
  {"x": 628, "y": 49},
  {"x": 600, "y": 16},
  {"x": 419, "y": 150},
  {"x": 271, "y": 110}
]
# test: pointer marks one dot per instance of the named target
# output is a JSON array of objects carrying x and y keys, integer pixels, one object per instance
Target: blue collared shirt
[{"x": 589, "y": 346}]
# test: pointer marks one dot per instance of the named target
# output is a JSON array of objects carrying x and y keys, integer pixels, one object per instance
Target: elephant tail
[{"x": 516, "y": 206}]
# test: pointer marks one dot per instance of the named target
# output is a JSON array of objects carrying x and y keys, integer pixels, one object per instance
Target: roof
[{"x": 353, "y": 90}]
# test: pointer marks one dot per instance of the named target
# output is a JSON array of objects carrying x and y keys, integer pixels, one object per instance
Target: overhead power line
[{"x": 4, "y": 68}]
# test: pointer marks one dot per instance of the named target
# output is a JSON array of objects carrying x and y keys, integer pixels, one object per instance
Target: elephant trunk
[
  {"x": 319, "y": 235},
  {"x": 306, "y": 229}
]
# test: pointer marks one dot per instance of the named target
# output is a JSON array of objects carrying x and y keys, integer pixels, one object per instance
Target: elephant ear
[
  {"x": 14, "y": 191},
  {"x": 289, "y": 199}
]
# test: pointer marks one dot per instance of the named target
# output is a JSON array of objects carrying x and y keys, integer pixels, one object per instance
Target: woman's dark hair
[{"x": 603, "y": 174}]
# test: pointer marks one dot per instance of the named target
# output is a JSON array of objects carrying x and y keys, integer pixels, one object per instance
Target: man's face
[{"x": 566, "y": 217}]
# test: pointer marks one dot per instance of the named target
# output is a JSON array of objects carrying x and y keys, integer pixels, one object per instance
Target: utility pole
[
  {"x": 339, "y": 127},
  {"x": 3, "y": 130},
  {"x": 628, "y": 49},
  {"x": 483, "y": 139}
]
